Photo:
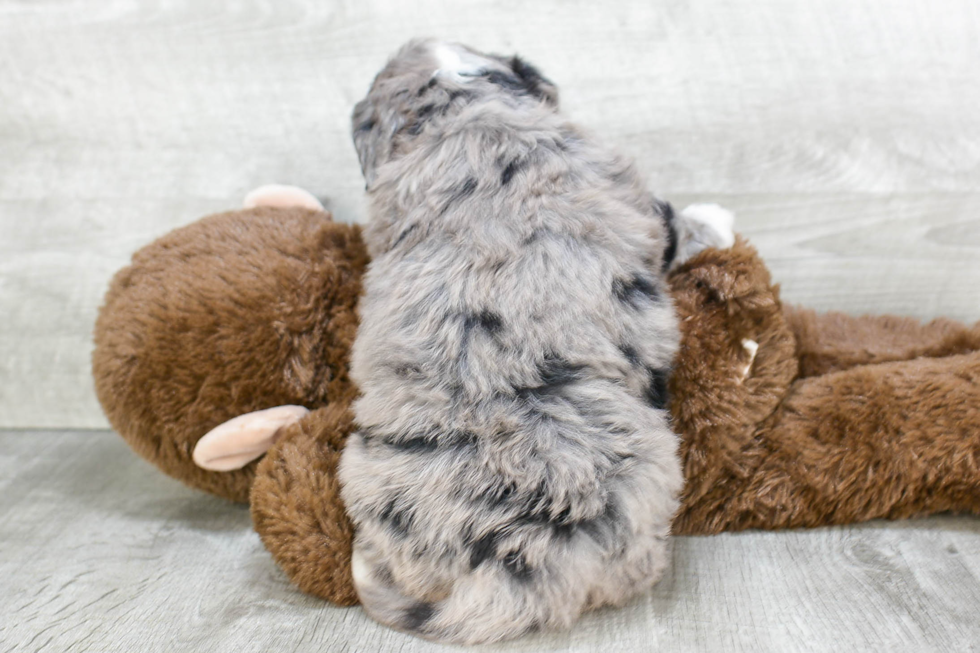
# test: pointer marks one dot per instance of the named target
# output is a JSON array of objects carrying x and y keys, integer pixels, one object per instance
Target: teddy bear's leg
[
  {"x": 832, "y": 342},
  {"x": 889, "y": 440},
  {"x": 296, "y": 506}
]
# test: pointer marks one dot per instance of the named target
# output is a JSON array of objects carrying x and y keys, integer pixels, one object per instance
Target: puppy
[{"x": 514, "y": 464}]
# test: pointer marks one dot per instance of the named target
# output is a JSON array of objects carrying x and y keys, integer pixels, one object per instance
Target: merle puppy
[{"x": 514, "y": 463}]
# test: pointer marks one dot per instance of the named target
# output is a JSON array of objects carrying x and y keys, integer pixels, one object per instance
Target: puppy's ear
[
  {"x": 366, "y": 140},
  {"x": 534, "y": 82}
]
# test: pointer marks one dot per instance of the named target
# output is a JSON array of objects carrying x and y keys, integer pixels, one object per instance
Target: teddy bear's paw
[{"x": 701, "y": 226}]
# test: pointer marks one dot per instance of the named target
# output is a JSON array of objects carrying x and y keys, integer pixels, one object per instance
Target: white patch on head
[
  {"x": 457, "y": 62},
  {"x": 720, "y": 219}
]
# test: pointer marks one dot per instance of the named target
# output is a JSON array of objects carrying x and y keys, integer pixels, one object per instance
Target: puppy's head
[{"x": 428, "y": 80}]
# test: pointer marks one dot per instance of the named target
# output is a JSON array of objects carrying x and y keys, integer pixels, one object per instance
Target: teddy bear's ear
[
  {"x": 241, "y": 440},
  {"x": 282, "y": 196}
]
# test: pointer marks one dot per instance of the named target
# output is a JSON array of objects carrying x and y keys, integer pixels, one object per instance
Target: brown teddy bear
[{"x": 788, "y": 418}]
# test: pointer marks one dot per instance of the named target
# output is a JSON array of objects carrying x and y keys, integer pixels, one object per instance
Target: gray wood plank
[
  {"x": 847, "y": 137},
  {"x": 99, "y": 552}
]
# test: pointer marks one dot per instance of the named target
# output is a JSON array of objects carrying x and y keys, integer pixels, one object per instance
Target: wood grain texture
[
  {"x": 845, "y": 134},
  {"x": 99, "y": 552}
]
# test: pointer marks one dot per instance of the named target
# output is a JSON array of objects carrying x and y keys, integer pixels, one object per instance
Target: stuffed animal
[{"x": 239, "y": 326}]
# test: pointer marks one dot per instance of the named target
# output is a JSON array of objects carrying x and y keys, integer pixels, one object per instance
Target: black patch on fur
[
  {"x": 507, "y": 81},
  {"x": 556, "y": 371},
  {"x": 423, "y": 111},
  {"x": 427, "y": 87},
  {"x": 531, "y": 78},
  {"x": 516, "y": 565},
  {"x": 430, "y": 442},
  {"x": 532, "y": 627},
  {"x": 414, "y": 128},
  {"x": 538, "y": 511},
  {"x": 399, "y": 521},
  {"x": 538, "y": 504},
  {"x": 461, "y": 193},
  {"x": 563, "y": 527},
  {"x": 502, "y": 495},
  {"x": 491, "y": 322},
  {"x": 459, "y": 438},
  {"x": 554, "y": 374},
  {"x": 536, "y": 235},
  {"x": 656, "y": 392},
  {"x": 418, "y": 444},
  {"x": 603, "y": 525},
  {"x": 465, "y": 190},
  {"x": 486, "y": 320},
  {"x": 510, "y": 170},
  {"x": 403, "y": 235},
  {"x": 630, "y": 353},
  {"x": 458, "y": 93},
  {"x": 418, "y": 615},
  {"x": 634, "y": 290},
  {"x": 667, "y": 211},
  {"x": 483, "y": 549},
  {"x": 366, "y": 434},
  {"x": 561, "y": 524}
]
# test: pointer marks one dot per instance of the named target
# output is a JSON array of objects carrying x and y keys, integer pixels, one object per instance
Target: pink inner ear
[
  {"x": 282, "y": 196},
  {"x": 242, "y": 439}
]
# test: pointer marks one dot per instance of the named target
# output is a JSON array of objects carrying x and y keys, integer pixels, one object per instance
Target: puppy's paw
[{"x": 701, "y": 226}]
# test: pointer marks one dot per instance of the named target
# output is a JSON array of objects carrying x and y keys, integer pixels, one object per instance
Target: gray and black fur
[{"x": 514, "y": 463}]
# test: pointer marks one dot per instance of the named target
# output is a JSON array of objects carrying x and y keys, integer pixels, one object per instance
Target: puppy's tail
[{"x": 481, "y": 608}]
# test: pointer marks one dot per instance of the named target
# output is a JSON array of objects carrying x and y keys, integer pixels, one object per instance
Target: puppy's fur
[{"x": 513, "y": 464}]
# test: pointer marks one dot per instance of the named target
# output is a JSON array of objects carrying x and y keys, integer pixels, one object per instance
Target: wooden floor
[
  {"x": 101, "y": 553},
  {"x": 845, "y": 133}
]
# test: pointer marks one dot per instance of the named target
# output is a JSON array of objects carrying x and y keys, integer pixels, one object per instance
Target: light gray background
[{"x": 844, "y": 133}]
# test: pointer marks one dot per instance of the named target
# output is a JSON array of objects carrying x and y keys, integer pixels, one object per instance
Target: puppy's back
[{"x": 513, "y": 465}]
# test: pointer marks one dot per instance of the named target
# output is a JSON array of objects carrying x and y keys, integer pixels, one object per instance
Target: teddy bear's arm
[
  {"x": 890, "y": 440},
  {"x": 296, "y": 505},
  {"x": 832, "y": 342},
  {"x": 735, "y": 364}
]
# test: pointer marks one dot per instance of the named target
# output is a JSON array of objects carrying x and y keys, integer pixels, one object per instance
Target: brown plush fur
[
  {"x": 842, "y": 419},
  {"x": 839, "y": 419},
  {"x": 234, "y": 313},
  {"x": 296, "y": 505}
]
